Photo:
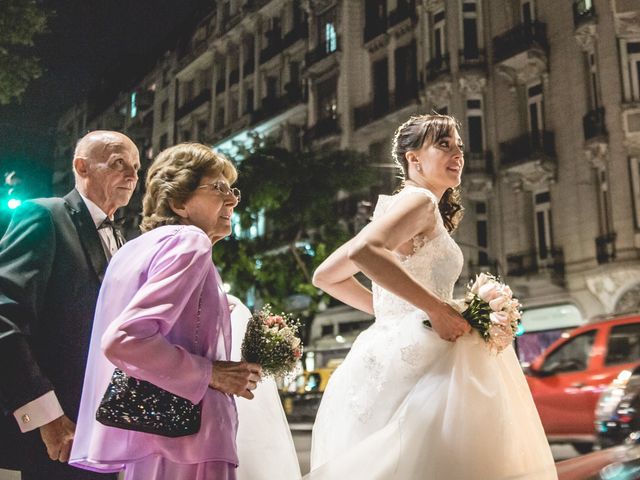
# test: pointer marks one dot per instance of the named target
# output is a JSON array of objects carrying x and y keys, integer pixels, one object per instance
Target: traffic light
[{"x": 11, "y": 191}]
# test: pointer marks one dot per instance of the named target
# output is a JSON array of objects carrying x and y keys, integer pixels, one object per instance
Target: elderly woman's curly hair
[
  {"x": 173, "y": 177},
  {"x": 411, "y": 135}
]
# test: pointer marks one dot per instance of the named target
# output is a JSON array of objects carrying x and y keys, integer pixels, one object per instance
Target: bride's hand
[{"x": 447, "y": 322}]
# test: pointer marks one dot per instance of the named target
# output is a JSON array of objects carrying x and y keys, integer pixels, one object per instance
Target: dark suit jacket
[{"x": 51, "y": 266}]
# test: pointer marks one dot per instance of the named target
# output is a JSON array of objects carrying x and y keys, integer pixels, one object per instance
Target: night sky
[{"x": 89, "y": 43}]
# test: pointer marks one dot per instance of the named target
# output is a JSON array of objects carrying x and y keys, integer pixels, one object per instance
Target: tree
[
  {"x": 296, "y": 192},
  {"x": 20, "y": 22}
]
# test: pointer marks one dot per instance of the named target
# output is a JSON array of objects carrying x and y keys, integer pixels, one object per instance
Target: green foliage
[
  {"x": 20, "y": 22},
  {"x": 297, "y": 192}
]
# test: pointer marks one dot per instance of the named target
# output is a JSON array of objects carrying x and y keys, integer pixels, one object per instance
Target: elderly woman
[{"x": 163, "y": 317}]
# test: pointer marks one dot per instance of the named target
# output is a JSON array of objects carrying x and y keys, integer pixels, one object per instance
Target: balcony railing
[
  {"x": 248, "y": 68},
  {"x": 478, "y": 162},
  {"x": 203, "y": 97},
  {"x": 321, "y": 51},
  {"x": 520, "y": 39},
  {"x": 405, "y": 9},
  {"x": 583, "y": 11},
  {"x": 374, "y": 28},
  {"x": 593, "y": 123},
  {"x": 323, "y": 128},
  {"x": 367, "y": 113},
  {"x": 472, "y": 58},
  {"x": 234, "y": 76},
  {"x": 530, "y": 146},
  {"x": 271, "y": 106},
  {"x": 299, "y": 32},
  {"x": 533, "y": 262},
  {"x": 606, "y": 247},
  {"x": 274, "y": 46},
  {"x": 438, "y": 66},
  {"x": 220, "y": 86}
]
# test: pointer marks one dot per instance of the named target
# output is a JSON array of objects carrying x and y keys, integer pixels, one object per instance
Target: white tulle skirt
[{"x": 407, "y": 405}]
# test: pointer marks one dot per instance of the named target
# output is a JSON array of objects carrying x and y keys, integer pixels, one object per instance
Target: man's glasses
[{"x": 223, "y": 189}]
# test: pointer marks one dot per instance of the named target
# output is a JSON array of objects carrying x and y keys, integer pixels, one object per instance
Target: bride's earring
[{"x": 419, "y": 168}]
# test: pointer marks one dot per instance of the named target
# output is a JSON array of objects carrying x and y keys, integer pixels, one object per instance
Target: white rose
[
  {"x": 498, "y": 303},
  {"x": 480, "y": 281},
  {"x": 500, "y": 318},
  {"x": 489, "y": 291}
]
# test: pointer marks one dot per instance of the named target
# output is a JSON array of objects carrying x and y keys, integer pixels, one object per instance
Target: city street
[{"x": 302, "y": 440}]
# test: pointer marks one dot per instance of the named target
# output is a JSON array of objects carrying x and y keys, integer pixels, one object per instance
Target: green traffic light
[{"x": 14, "y": 203}]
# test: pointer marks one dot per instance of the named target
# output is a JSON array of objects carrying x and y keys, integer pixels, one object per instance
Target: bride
[{"x": 410, "y": 402}]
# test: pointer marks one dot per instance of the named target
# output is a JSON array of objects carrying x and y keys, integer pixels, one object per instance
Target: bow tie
[{"x": 116, "y": 223}]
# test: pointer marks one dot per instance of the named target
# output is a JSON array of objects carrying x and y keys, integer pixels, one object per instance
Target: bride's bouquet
[
  {"x": 273, "y": 342},
  {"x": 491, "y": 309}
]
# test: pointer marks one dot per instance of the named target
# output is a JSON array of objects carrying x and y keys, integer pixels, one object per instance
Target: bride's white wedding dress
[{"x": 406, "y": 404}]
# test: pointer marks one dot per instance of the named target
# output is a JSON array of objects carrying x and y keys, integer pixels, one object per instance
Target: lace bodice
[{"x": 436, "y": 262}]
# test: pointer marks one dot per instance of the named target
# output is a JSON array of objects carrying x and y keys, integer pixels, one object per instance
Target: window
[
  {"x": 634, "y": 167},
  {"x": 604, "y": 205},
  {"x": 202, "y": 130},
  {"x": 187, "y": 91},
  {"x": 544, "y": 234},
  {"x": 327, "y": 99},
  {"x": 623, "y": 345},
  {"x": 248, "y": 100},
  {"x": 572, "y": 356},
  {"x": 271, "y": 86},
  {"x": 220, "y": 118},
  {"x": 134, "y": 107},
  {"x": 164, "y": 141},
  {"x": 594, "y": 90},
  {"x": 482, "y": 236},
  {"x": 633, "y": 54},
  {"x": 527, "y": 11},
  {"x": 406, "y": 76},
  {"x": 327, "y": 30},
  {"x": 536, "y": 112},
  {"x": 186, "y": 135},
  {"x": 327, "y": 330},
  {"x": 474, "y": 126},
  {"x": 470, "y": 29},
  {"x": 380, "y": 87},
  {"x": 439, "y": 45},
  {"x": 164, "y": 110}
]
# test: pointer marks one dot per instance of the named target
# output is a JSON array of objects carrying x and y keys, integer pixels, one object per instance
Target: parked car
[
  {"x": 567, "y": 379},
  {"x": 618, "y": 410}
]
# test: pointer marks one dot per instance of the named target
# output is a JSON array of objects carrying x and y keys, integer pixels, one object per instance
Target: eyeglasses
[{"x": 223, "y": 189}]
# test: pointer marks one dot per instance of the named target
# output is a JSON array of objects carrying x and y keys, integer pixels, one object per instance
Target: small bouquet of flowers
[
  {"x": 273, "y": 342},
  {"x": 490, "y": 308}
]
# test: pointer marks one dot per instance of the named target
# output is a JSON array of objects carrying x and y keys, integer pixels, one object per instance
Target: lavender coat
[{"x": 145, "y": 321}]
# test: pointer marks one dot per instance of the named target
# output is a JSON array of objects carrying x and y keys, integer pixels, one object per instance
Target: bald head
[{"x": 105, "y": 166}]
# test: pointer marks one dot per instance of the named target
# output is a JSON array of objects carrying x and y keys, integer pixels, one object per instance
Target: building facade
[{"x": 547, "y": 94}]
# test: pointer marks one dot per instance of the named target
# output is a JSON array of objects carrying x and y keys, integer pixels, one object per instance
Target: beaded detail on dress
[{"x": 436, "y": 262}]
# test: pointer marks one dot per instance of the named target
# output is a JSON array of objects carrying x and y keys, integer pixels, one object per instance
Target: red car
[{"x": 567, "y": 378}]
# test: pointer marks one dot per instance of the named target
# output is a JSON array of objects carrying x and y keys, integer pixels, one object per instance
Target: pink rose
[
  {"x": 480, "y": 281},
  {"x": 497, "y": 304},
  {"x": 489, "y": 291},
  {"x": 499, "y": 318}
]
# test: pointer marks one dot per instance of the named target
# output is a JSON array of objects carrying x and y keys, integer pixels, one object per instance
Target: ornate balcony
[
  {"x": 517, "y": 46},
  {"x": 272, "y": 106},
  {"x": 203, "y": 97},
  {"x": 438, "y": 66},
  {"x": 372, "y": 29},
  {"x": 606, "y": 247},
  {"x": 533, "y": 262},
  {"x": 369, "y": 112},
  {"x": 299, "y": 32},
  {"x": 323, "y": 128},
  {"x": 234, "y": 76},
  {"x": 527, "y": 147},
  {"x": 406, "y": 9},
  {"x": 274, "y": 46},
  {"x": 322, "y": 51},
  {"x": 478, "y": 162},
  {"x": 583, "y": 12},
  {"x": 472, "y": 59},
  {"x": 593, "y": 124}
]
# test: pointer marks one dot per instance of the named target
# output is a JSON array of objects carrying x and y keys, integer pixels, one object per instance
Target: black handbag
[{"x": 134, "y": 404}]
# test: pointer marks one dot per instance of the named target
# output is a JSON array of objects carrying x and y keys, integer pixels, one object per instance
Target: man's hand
[
  {"x": 236, "y": 378},
  {"x": 58, "y": 437}
]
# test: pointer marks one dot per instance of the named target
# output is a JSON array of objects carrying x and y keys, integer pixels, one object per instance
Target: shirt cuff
[{"x": 38, "y": 412}]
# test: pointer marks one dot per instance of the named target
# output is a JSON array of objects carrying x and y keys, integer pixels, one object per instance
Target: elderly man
[{"x": 53, "y": 257}]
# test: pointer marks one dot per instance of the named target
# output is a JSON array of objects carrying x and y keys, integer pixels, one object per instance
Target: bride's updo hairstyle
[{"x": 411, "y": 135}]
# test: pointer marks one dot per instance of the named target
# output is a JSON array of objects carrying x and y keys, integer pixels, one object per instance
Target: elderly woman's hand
[{"x": 235, "y": 378}]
